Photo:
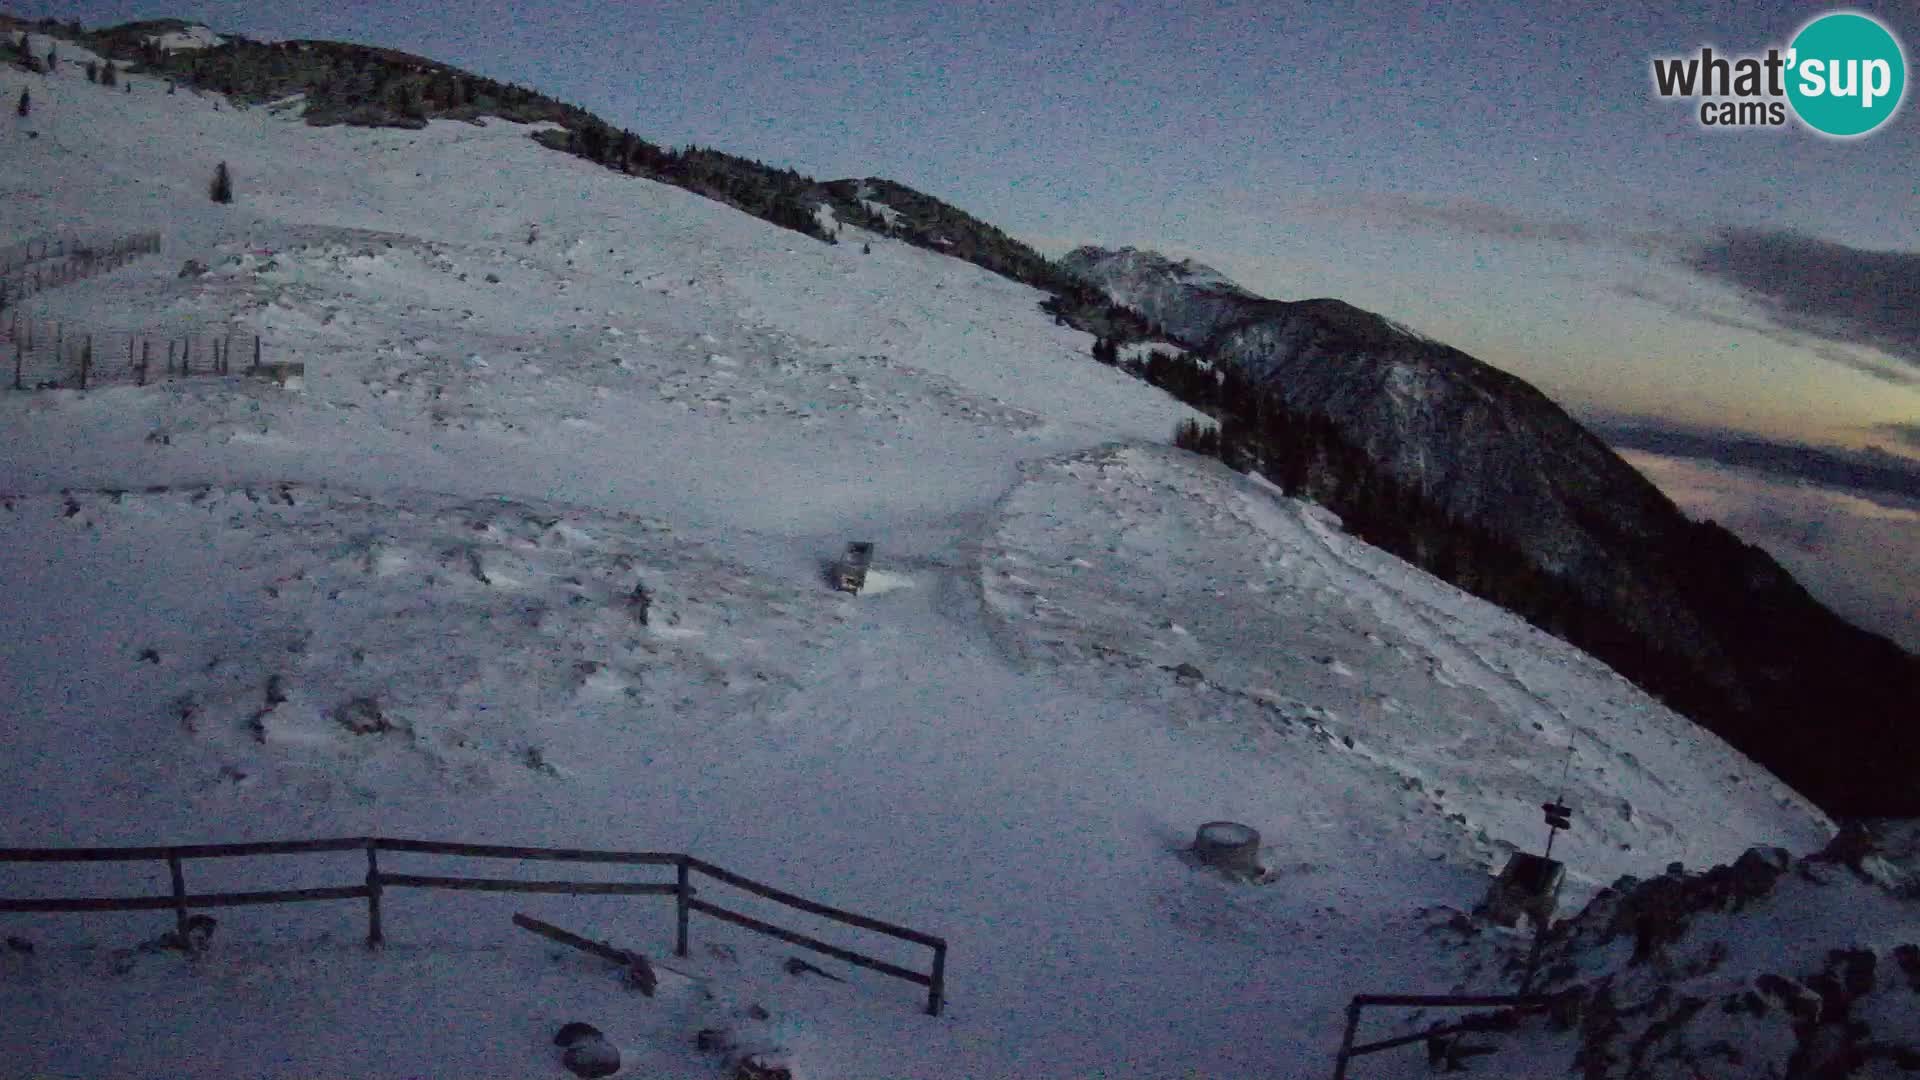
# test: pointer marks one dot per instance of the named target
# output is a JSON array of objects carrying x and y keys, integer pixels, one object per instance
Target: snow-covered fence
[
  {"x": 39, "y": 265},
  {"x": 935, "y": 981},
  {"x": 377, "y": 881},
  {"x": 1440, "y": 1038},
  {"x": 43, "y": 355}
]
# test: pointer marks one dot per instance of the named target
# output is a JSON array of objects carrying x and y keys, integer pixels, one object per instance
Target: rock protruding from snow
[
  {"x": 762, "y": 1067},
  {"x": 362, "y": 716},
  {"x": 591, "y": 1058},
  {"x": 586, "y": 1050},
  {"x": 576, "y": 1031}
]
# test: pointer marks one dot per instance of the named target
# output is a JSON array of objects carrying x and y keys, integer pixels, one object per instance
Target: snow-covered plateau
[{"x": 398, "y": 600}]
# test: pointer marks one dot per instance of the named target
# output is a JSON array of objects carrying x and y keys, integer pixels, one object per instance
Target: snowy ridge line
[{"x": 681, "y": 889}]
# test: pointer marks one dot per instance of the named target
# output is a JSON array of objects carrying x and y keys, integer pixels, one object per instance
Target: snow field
[{"x": 396, "y": 601}]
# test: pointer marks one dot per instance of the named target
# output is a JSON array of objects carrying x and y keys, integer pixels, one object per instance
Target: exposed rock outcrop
[{"x": 1765, "y": 968}]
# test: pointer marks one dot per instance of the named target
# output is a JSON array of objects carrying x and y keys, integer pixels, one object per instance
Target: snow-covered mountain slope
[
  {"x": 399, "y": 600},
  {"x": 1682, "y": 607},
  {"x": 1124, "y": 564}
]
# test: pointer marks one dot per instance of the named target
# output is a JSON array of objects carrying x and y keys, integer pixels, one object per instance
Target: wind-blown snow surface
[{"x": 399, "y": 601}]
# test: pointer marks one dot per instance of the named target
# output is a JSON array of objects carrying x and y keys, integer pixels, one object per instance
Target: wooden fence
[
  {"x": 377, "y": 881},
  {"x": 40, "y": 265},
  {"x": 1512, "y": 1003},
  {"x": 43, "y": 355}
]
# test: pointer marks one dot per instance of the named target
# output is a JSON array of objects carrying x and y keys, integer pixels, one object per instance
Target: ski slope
[{"x": 397, "y": 600}]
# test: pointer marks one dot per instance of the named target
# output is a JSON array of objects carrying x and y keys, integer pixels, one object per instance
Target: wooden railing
[
  {"x": 1511, "y": 1003},
  {"x": 377, "y": 881}
]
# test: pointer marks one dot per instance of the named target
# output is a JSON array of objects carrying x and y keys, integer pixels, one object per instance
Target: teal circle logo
[{"x": 1846, "y": 74}]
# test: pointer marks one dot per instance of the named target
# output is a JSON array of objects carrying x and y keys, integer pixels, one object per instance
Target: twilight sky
[{"x": 1495, "y": 174}]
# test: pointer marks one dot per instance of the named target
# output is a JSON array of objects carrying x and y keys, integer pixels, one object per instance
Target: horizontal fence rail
[
  {"x": 377, "y": 881},
  {"x": 1349, "y": 1051}
]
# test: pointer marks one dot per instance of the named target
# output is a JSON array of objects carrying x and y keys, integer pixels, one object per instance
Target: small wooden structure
[
  {"x": 1528, "y": 886},
  {"x": 850, "y": 573}
]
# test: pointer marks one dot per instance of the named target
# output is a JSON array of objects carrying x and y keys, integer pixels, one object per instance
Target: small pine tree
[
  {"x": 53, "y": 60},
  {"x": 1197, "y": 437},
  {"x": 222, "y": 190},
  {"x": 26, "y": 103},
  {"x": 93, "y": 72},
  {"x": 109, "y": 75},
  {"x": 865, "y": 249}
]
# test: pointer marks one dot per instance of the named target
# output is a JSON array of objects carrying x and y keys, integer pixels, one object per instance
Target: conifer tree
[
  {"x": 109, "y": 75},
  {"x": 26, "y": 103},
  {"x": 222, "y": 189}
]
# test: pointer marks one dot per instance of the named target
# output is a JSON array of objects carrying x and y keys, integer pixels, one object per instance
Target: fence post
[
  {"x": 1346, "y": 1041},
  {"x": 146, "y": 358},
  {"x": 683, "y": 891},
  {"x": 256, "y": 353},
  {"x": 86, "y": 360},
  {"x": 186, "y": 355},
  {"x": 374, "y": 936},
  {"x": 179, "y": 900},
  {"x": 937, "y": 991},
  {"x": 169, "y": 356},
  {"x": 19, "y": 355}
]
